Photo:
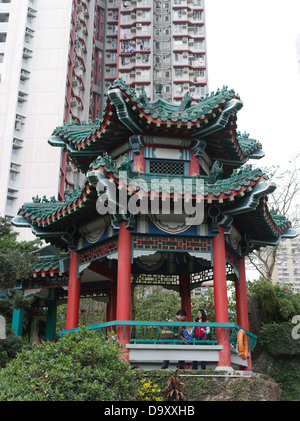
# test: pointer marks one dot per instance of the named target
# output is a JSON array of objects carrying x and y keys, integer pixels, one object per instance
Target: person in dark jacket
[
  {"x": 199, "y": 334},
  {"x": 174, "y": 334}
]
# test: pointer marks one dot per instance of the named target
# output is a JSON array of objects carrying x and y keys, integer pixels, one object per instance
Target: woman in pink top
[{"x": 199, "y": 334}]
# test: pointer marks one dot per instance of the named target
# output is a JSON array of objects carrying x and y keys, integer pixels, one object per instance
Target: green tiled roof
[
  {"x": 80, "y": 202},
  {"x": 47, "y": 263},
  {"x": 213, "y": 119},
  {"x": 265, "y": 227},
  {"x": 240, "y": 180}
]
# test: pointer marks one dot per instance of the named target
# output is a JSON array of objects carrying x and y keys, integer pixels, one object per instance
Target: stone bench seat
[{"x": 159, "y": 352}]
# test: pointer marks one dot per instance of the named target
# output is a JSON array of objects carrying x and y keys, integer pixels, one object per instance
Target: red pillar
[
  {"x": 73, "y": 292},
  {"x": 139, "y": 163},
  {"x": 194, "y": 165},
  {"x": 220, "y": 295},
  {"x": 124, "y": 281},
  {"x": 111, "y": 306},
  {"x": 185, "y": 296},
  {"x": 241, "y": 302}
]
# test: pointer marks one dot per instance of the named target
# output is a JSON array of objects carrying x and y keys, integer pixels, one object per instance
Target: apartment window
[
  {"x": 197, "y": 15},
  {"x": 1, "y": 57},
  {"x": 198, "y": 30},
  {"x": 178, "y": 73},
  {"x": 3, "y": 36},
  {"x": 12, "y": 176},
  {"x": 179, "y": 28},
  {"x": 179, "y": 89},
  {"x": 5, "y": 1},
  {"x": 4, "y": 17},
  {"x": 178, "y": 42},
  {"x": 198, "y": 45},
  {"x": 10, "y": 202}
]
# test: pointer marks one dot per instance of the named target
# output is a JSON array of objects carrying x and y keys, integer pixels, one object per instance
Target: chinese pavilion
[{"x": 108, "y": 252}]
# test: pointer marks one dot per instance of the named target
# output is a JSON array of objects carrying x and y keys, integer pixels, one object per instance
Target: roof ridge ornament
[
  {"x": 158, "y": 90},
  {"x": 186, "y": 102},
  {"x": 216, "y": 172}
]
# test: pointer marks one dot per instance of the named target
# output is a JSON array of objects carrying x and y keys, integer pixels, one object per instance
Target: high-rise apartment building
[
  {"x": 47, "y": 53},
  {"x": 57, "y": 59},
  {"x": 160, "y": 41},
  {"x": 287, "y": 267}
]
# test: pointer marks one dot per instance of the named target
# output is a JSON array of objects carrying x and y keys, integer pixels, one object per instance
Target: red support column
[
  {"x": 185, "y": 296},
  {"x": 194, "y": 165},
  {"x": 241, "y": 302},
  {"x": 220, "y": 294},
  {"x": 139, "y": 163},
  {"x": 73, "y": 292},
  {"x": 111, "y": 306},
  {"x": 124, "y": 280}
]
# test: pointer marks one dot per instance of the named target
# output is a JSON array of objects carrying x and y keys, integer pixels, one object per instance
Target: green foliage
[
  {"x": 78, "y": 367},
  {"x": 15, "y": 261},
  {"x": 15, "y": 257},
  {"x": 280, "y": 304},
  {"x": 286, "y": 372},
  {"x": 279, "y": 339},
  {"x": 90, "y": 313},
  {"x": 10, "y": 346},
  {"x": 149, "y": 391},
  {"x": 159, "y": 306},
  {"x": 280, "y": 349}
]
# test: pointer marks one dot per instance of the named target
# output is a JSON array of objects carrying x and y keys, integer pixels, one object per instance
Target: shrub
[
  {"x": 279, "y": 303},
  {"x": 149, "y": 391},
  {"x": 78, "y": 367}
]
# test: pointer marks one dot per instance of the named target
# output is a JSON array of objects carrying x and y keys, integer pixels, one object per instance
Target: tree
[
  {"x": 160, "y": 305},
  {"x": 285, "y": 201},
  {"x": 16, "y": 259}
]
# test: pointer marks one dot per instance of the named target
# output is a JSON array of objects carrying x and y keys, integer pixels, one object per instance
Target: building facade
[
  {"x": 161, "y": 41},
  {"x": 287, "y": 267},
  {"x": 47, "y": 68},
  {"x": 57, "y": 60}
]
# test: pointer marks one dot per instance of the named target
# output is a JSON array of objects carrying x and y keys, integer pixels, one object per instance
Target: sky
[{"x": 251, "y": 48}]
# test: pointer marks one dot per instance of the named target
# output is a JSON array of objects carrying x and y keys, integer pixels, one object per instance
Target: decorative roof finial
[{"x": 158, "y": 90}]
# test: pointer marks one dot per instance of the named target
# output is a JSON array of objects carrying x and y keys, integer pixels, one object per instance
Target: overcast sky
[{"x": 251, "y": 46}]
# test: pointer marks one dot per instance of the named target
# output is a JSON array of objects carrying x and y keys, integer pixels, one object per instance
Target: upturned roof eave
[{"x": 131, "y": 116}]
